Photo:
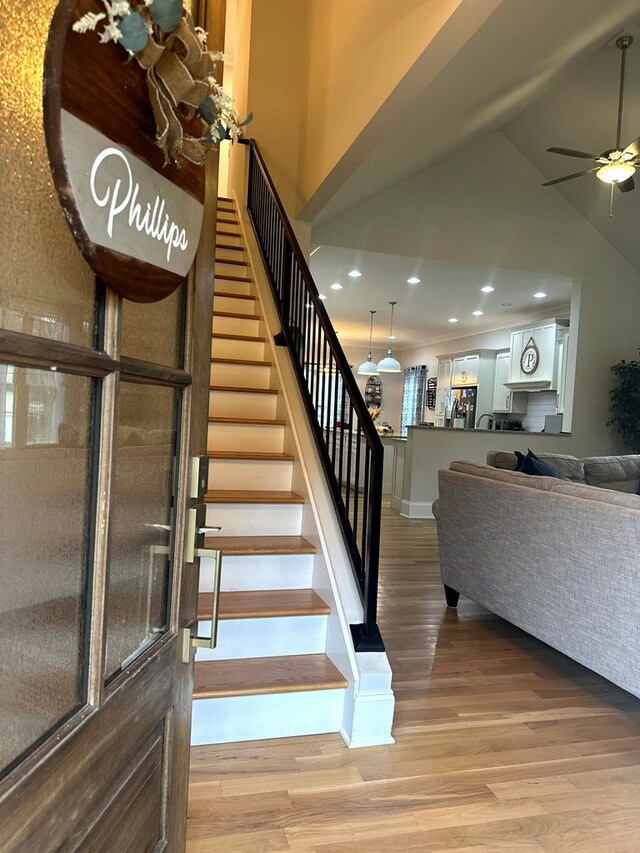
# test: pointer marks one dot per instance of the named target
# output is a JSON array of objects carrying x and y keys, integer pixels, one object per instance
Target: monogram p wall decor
[{"x": 130, "y": 107}]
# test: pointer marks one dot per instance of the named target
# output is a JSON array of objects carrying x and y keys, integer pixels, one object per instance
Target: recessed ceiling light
[
  {"x": 487, "y": 288},
  {"x": 453, "y": 319},
  {"x": 477, "y": 313},
  {"x": 322, "y": 296},
  {"x": 539, "y": 295},
  {"x": 392, "y": 337},
  {"x": 355, "y": 274},
  {"x": 506, "y": 304},
  {"x": 336, "y": 286},
  {"x": 413, "y": 280}
]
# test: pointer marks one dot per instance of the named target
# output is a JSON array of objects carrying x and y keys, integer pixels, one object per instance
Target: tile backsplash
[{"x": 540, "y": 404}]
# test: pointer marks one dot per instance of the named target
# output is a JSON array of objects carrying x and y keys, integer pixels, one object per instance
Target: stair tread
[
  {"x": 264, "y": 604},
  {"x": 236, "y": 315},
  {"x": 233, "y": 262},
  {"x": 229, "y": 336},
  {"x": 227, "y": 221},
  {"x": 226, "y": 293},
  {"x": 224, "y": 198},
  {"x": 224, "y": 233},
  {"x": 256, "y": 455},
  {"x": 242, "y": 546},
  {"x": 253, "y": 361},
  {"x": 229, "y": 277},
  {"x": 227, "y": 246},
  {"x": 243, "y": 388},
  {"x": 261, "y": 421},
  {"x": 252, "y": 496},
  {"x": 252, "y": 676}
]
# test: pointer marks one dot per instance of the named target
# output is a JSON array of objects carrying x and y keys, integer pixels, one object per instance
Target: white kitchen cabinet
[
  {"x": 505, "y": 400},
  {"x": 563, "y": 358},
  {"x": 466, "y": 369},
  {"x": 542, "y": 343}
]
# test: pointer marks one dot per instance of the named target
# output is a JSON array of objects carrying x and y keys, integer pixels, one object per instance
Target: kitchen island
[{"x": 427, "y": 449}]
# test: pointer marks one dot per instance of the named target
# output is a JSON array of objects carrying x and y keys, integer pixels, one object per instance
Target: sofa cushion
[
  {"x": 566, "y": 467},
  {"x": 608, "y": 472},
  {"x": 503, "y": 459},
  {"x": 502, "y": 476},
  {"x": 593, "y": 493},
  {"x": 532, "y": 464}
]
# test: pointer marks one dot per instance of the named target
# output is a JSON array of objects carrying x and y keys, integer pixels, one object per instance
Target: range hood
[{"x": 529, "y": 385}]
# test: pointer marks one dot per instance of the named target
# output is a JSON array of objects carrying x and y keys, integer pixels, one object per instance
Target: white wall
[{"x": 485, "y": 205}]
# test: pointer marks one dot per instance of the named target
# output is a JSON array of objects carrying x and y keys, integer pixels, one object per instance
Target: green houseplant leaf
[{"x": 624, "y": 404}]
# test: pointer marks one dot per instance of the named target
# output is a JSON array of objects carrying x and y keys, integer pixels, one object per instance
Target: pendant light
[
  {"x": 368, "y": 367},
  {"x": 389, "y": 364}
]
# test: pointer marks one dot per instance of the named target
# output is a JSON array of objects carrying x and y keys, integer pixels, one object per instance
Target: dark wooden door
[{"x": 103, "y": 404}]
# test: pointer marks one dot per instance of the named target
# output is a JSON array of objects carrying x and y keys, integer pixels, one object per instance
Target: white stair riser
[
  {"x": 262, "y": 572},
  {"x": 227, "y": 286},
  {"x": 259, "y": 437},
  {"x": 227, "y": 221},
  {"x": 233, "y": 348},
  {"x": 227, "y": 239},
  {"x": 250, "y": 474},
  {"x": 236, "y": 305},
  {"x": 240, "y": 718},
  {"x": 223, "y": 254},
  {"x": 241, "y": 375},
  {"x": 265, "y": 638},
  {"x": 238, "y": 404},
  {"x": 256, "y": 519},
  {"x": 236, "y": 325}
]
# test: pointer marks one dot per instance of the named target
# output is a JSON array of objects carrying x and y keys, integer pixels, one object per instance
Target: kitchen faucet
[{"x": 485, "y": 415}]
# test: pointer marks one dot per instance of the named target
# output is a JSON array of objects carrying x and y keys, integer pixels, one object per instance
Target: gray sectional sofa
[{"x": 557, "y": 558}]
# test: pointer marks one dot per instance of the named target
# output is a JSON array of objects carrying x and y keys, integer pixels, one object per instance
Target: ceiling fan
[{"x": 617, "y": 165}]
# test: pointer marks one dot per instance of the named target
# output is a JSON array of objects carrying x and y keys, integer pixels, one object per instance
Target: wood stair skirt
[{"x": 269, "y": 676}]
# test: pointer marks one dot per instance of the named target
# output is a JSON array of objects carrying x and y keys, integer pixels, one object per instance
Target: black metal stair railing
[{"x": 349, "y": 446}]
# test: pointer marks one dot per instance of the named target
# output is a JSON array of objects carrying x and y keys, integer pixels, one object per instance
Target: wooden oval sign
[{"x": 136, "y": 221}]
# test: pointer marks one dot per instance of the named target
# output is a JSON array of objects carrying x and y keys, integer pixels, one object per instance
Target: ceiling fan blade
[
  {"x": 626, "y": 186},
  {"x": 569, "y": 152},
  {"x": 634, "y": 148},
  {"x": 568, "y": 177}
]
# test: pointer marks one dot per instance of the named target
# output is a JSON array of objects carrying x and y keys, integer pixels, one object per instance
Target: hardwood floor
[{"x": 502, "y": 744}]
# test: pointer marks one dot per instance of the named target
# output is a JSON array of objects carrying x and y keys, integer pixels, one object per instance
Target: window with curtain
[{"x": 412, "y": 396}]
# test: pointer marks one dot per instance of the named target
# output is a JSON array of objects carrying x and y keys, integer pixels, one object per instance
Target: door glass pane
[
  {"x": 142, "y": 515},
  {"x": 46, "y": 288},
  {"x": 152, "y": 331},
  {"x": 45, "y": 426}
]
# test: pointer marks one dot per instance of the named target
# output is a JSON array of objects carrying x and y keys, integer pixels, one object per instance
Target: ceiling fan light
[
  {"x": 389, "y": 364},
  {"x": 615, "y": 173}
]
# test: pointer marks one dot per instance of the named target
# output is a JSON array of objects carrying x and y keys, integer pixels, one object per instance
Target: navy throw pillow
[{"x": 531, "y": 464}]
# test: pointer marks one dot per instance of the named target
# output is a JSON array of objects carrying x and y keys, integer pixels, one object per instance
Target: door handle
[{"x": 189, "y": 642}]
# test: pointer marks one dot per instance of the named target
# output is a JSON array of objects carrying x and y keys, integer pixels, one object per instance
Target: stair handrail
[{"x": 312, "y": 335}]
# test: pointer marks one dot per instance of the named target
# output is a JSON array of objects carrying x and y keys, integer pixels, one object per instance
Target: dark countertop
[{"x": 493, "y": 431}]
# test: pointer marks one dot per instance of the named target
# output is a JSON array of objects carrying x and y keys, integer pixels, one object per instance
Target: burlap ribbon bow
[{"x": 178, "y": 78}]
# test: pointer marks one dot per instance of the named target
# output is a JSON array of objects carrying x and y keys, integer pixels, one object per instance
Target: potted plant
[{"x": 624, "y": 405}]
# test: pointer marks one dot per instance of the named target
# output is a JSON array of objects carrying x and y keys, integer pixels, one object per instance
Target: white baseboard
[{"x": 416, "y": 509}]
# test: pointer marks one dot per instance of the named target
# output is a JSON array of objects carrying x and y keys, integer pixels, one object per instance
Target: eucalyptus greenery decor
[{"x": 624, "y": 407}]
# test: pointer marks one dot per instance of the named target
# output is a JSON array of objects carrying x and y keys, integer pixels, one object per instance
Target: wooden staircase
[{"x": 269, "y": 676}]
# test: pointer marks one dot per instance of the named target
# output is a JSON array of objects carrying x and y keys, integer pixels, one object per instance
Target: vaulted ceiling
[{"x": 541, "y": 73}]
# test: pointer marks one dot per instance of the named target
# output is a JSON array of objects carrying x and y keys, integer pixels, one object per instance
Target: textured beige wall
[{"x": 42, "y": 272}]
